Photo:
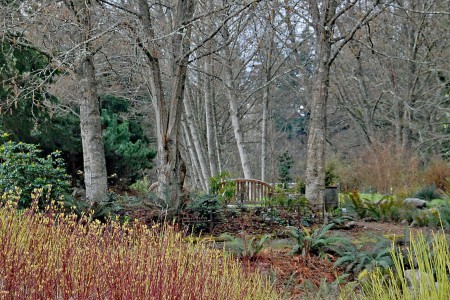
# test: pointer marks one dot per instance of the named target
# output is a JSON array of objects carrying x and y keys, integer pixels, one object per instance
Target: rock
[
  {"x": 416, "y": 202},
  {"x": 79, "y": 193},
  {"x": 419, "y": 277},
  {"x": 404, "y": 222},
  {"x": 350, "y": 225},
  {"x": 414, "y": 224}
]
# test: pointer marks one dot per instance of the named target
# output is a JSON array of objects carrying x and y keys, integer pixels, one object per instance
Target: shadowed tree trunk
[
  {"x": 315, "y": 171},
  {"x": 167, "y": 107},
  {"x": 324, "y": 15},
  {"x": 95, "y": 176}
]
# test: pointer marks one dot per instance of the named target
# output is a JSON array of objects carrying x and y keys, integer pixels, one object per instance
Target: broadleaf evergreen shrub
[
  {"x": 23, "y": 168},
  {"x": 222, "y": 186}
]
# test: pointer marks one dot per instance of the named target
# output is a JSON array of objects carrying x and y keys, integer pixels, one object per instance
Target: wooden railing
[{"x": 252, "y": 191}]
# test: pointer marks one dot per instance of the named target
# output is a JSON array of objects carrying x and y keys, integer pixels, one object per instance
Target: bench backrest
[{"x": 252, "y": 191}]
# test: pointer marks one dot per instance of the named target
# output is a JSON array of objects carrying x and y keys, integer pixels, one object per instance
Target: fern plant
[
  {"x": 247, "y": 248},
  {"x": 432, "y": 262},
  {"x": 387, "y": 209},
  {"x": 357, "y": 203},
  {"x": 359, "y": 262},
  {"x": 317, "y": 241}
]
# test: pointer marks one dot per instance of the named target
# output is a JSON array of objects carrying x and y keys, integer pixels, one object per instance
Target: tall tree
[
  {"x": 95, "y": 176},
  {"x": 168, "y": 103},
  {"x": 66, "y": 32},
  {"x": 328, "y": 43}
]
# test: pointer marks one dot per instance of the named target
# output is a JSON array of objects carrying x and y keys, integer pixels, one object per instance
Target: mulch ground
[{"x": 292, "y": 272}]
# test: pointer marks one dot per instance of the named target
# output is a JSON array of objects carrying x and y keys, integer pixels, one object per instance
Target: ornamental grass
[
  {"x": 57, "y": 256},
  {"x": 428, "y": 264}
]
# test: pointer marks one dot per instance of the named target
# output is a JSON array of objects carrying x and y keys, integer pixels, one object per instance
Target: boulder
[
  {"x": 420, "y": 278},
  {"x": 415, "y": 202}
]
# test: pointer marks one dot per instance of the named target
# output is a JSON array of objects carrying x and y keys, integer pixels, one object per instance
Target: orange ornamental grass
[{"x": 56, "y": 257}]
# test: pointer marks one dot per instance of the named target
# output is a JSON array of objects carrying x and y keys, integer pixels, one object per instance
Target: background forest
[{"x": 177, "y": 92}]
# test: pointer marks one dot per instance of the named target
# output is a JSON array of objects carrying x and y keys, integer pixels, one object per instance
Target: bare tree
[
  {"x": 329, "y": 41},
  {"x": 390, "y": 79}
]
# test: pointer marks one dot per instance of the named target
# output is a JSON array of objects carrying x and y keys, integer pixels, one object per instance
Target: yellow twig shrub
[
  {"x": 60, "y": 257},
  {"x": 428, "y": 280}
]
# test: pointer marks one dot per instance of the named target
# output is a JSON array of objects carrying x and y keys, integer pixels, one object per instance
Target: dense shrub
[
  {"x": 39, "y": 260},
  {"x": 388, "y": 170},
  {"x": 23, "y": 170},
  {"x": 128, "y": 151},
  {"x": 437, "y": 174},
  {"x": 222, "y": 186},
  {"x": 204, "y": 207},
  {"x": 428, "y": 193}
]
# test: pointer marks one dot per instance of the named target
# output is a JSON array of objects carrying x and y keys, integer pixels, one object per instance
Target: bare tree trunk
[
  {"x": 324, "y": 16},
  {"x": 413, "y": 38},
  {"x": 196, "y": 140},
  {"x": 196, "y": 172},
  {"x": 315, "y": 170},
  {"x": 264, "y": 132},
  {"x": 209, "y": 102},
  {"x": 236, "y": 122},
  {"x": 170, "y": 167},
  {"x": 266, "y": 94},
  {"x": 216, "y": 141},
  {"x": 95, "y": 177}
]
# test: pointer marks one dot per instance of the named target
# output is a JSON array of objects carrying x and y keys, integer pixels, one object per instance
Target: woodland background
[{"x": 181, "y": 91}]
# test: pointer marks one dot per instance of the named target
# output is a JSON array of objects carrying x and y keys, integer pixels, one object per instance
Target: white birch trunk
[
  {"x": 211, "y": 144},
  {"x": 196, "y": 172},
  {"x": 236, "y": 122},
  {"x": 196, "y": 141}
]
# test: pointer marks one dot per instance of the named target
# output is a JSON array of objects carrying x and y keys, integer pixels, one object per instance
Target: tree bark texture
[
  {"x": 170, "y": 167},
  {"x": 315, "y": 170},
  {"x": 243, "y": 155},
  {"x": 95, "y": 175}
]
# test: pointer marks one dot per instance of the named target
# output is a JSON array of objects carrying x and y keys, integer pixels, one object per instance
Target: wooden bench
[
  {"x": 246, "y": 192},
  {"x": 251, "y": 191}
]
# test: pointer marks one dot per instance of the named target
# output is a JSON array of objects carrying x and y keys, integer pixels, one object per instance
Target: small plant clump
[
  {"x": 56, "y": 256},
  {"x": 317, "y": 242},
  {"x": 245, "y": 247},
  {"x": 428, "y": 193}
]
